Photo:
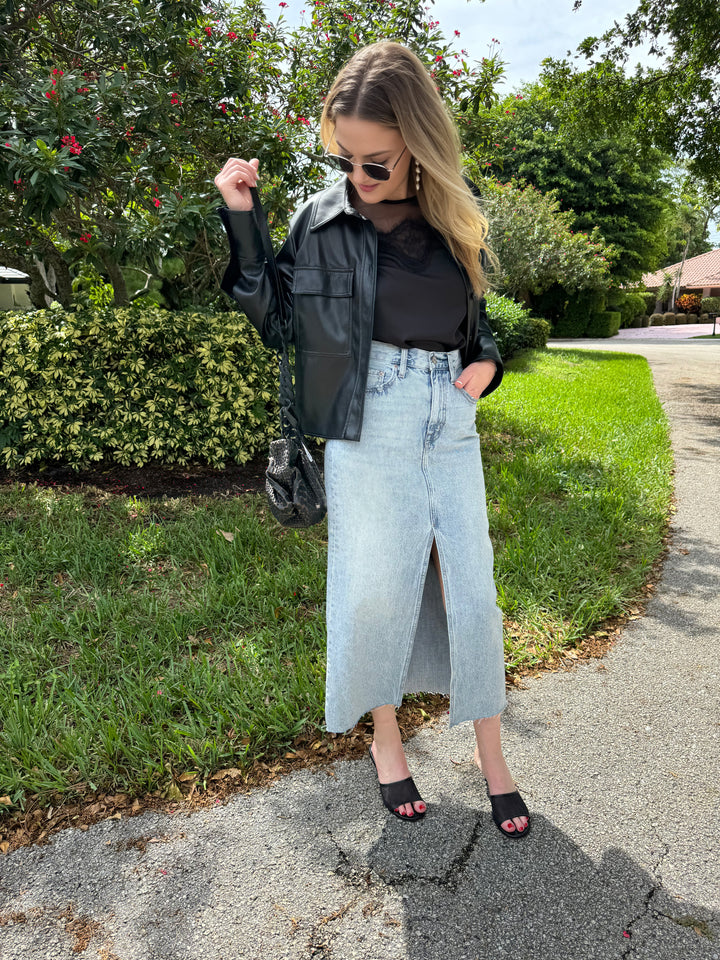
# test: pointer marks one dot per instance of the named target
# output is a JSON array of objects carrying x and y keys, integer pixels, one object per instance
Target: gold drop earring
[{"x": 417, "y": 177}]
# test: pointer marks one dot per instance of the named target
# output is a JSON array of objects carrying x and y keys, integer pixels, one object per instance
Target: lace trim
[{"x": 409, "y": 244}]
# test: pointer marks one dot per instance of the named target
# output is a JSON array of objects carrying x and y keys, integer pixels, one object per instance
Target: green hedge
[
  {"x": 631, "y": 307},
  {"x": 579, "y": 307},
  {"x": 513, "y": 326},
  {"x": 605, "y": 323},
  {"x": 551, "y": 303},
  {"x": 650, "y": 297},
  {"x": 131, "y": 384}
]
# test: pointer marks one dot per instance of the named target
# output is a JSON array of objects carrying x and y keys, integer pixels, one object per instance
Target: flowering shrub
[
  {"x": 113, "y": 159},
  {"x": 533, "y": 241},
  {"x": 689, "y": 302}
]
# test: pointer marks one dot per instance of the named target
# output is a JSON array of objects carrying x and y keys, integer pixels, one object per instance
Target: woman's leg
[
  {"x": 389, "y": 755},
  {"x": 488, "y": 753},
  {"x": 489, "y": 758}
]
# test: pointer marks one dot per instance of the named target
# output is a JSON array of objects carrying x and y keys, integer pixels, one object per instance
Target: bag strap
[
  {"x": 269, "y": 254},
  {"x": 289, "y": 423}
]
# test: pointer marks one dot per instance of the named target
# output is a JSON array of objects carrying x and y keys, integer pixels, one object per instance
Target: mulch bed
[{"x": 152, "y": 480}]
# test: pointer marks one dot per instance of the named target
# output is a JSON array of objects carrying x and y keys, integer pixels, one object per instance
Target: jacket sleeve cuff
[
  {"x": 243, "y": 234},
  {"x": 497, "y": 378}
]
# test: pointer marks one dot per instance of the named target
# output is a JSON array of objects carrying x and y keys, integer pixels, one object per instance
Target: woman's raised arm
[{"x": 248, "y": 278}]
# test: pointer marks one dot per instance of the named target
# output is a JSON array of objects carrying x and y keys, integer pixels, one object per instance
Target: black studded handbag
[{"x": 293, "y": 481}]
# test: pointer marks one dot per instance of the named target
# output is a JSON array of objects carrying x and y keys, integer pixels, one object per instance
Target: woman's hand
[
  {"x": 234, "y": 182},
  {"x": 476, "y": 377}
]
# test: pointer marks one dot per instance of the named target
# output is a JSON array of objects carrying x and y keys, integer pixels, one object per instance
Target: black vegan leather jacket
[{"x": 327, "y": 268}]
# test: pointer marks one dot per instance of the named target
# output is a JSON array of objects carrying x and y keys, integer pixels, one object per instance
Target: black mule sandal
[
  {"x": 506, "y": 806},
  {"x": 399, "y": 792}
]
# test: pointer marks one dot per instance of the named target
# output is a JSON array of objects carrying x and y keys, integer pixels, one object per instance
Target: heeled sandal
[
  {"x": 506, "y": 806},
  {"x": 397, "y": 793}
]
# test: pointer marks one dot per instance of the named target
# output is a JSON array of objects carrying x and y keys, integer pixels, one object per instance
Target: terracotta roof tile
[{"x": 700, "y": 271}]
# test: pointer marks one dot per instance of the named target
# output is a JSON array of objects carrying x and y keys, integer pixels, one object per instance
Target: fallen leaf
[
  {"x": 229, "y": 772},
  {"x": 228, "y": 536}
]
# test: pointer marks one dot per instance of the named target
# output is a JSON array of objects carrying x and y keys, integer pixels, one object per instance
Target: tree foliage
[
  {"x": 686, "y": 224},
  {"x": 536, "y": 244},
  {"x": 678, "y": 102},
  {"x": 605, "y": 179},
  {"x": 116, "y": 116}
]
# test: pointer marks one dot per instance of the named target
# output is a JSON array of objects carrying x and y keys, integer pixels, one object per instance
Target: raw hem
[
  {"x": 453, "y": 722},
  {"x": 455, "y": 719}
]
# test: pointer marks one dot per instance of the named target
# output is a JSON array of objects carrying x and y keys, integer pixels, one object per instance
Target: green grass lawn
[
  {"x": 145, "y": 638},
  {"x": 577, "y": 461}
]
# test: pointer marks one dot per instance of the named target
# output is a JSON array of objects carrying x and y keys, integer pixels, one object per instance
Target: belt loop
[
  {"x": 458, "y": 365},
  {"x": 403, "y": 360}
]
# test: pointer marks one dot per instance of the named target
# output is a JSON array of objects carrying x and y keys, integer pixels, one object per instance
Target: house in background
[
  {"x": 700, "y": 275},
  {"x": 14, "y": 290}
]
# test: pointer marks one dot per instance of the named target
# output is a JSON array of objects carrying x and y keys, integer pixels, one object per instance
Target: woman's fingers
[
  {"x": 476, "y": 377},
  {"x": 234, "y": 182},
  {"x": 465, "y": 383},
  {"x": 236, "y": 169}
]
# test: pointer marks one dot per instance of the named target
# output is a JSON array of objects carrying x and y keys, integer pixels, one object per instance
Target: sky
[{"x": 530, "y": 30}]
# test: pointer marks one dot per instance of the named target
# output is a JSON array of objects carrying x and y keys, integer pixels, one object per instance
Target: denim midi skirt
[{"x": 415, "y": 474}]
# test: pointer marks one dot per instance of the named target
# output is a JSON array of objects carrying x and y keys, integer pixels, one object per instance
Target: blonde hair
[{"x": 387, "y": 83}]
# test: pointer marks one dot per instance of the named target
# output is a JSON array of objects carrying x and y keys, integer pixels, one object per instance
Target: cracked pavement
[{"x": 617, "y": 760}]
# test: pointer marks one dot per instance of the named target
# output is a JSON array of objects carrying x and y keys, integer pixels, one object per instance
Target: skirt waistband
[{"x": 413, "y": 358}]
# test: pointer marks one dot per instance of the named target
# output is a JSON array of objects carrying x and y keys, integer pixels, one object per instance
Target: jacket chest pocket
[{"x": 322, "y": 308}]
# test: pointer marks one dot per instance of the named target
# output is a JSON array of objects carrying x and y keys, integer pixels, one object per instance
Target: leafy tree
[
  {"x": 677, "y": 103},
  {"x": 602, "y": 178},
  {"x": 536, "y": 245},
  {"x": 117, "y": 115},
  {"x": 685, "y": 229},
  {"x": 687, "y": 224}
]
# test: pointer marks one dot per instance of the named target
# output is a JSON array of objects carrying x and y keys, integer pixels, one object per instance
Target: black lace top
[{"x": 420, "y": 298}]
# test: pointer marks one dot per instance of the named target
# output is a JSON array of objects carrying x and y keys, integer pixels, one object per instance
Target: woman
[{"x": 382, "y": 279}]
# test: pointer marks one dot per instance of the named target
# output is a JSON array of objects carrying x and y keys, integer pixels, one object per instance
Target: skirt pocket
[{"x": 380, "y": 379}]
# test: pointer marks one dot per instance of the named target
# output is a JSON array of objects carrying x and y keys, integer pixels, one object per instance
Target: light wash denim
[{"x": 416, "y": 473}]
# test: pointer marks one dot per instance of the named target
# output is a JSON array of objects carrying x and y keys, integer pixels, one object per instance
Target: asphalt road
[{"x": 617, "y": 760}]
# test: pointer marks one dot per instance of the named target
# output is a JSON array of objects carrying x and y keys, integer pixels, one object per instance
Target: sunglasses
[{"x": 377, "y": 171}]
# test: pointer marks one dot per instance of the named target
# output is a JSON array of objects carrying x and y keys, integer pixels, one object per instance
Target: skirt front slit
[{"x": 415, "y": 474}]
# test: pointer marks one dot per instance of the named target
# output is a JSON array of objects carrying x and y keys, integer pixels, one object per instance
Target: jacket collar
[{"x": 331, "y": 202}]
